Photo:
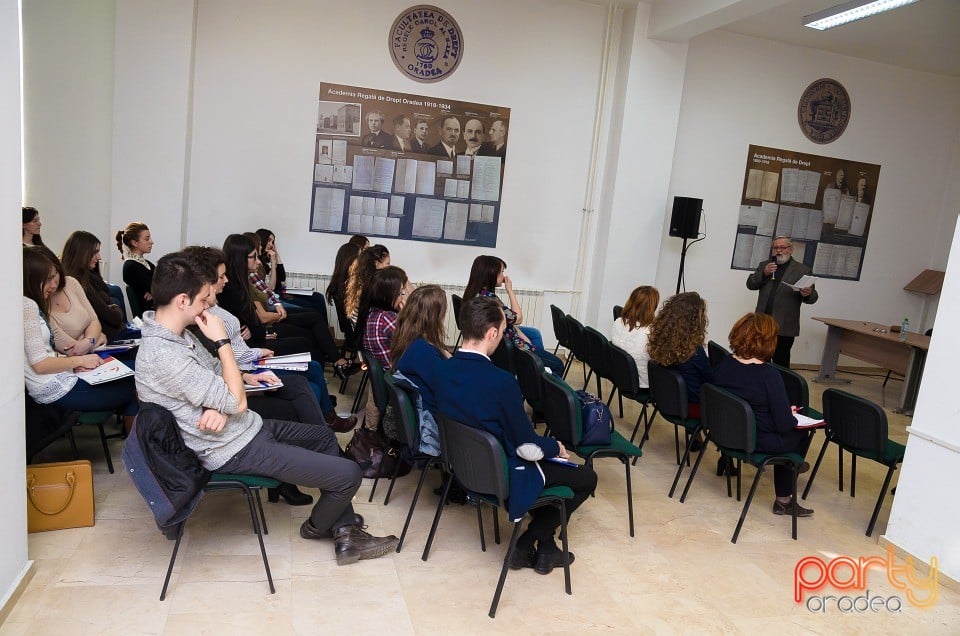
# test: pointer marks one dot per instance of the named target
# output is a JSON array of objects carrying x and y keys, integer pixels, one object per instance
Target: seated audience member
[
  {"x": 137, "y": 270},
  {"x": 31, "y": 227},
  {"x": 676, "y": 341},
  {"x": 337, "y": 289},
  {"x": 488, "y": 273},
  {"x": 362, "y": 270},
  {"x": 206, "y": 396},
  {"x": 360, "y": 241},
  {"x": 383, "y": 297},
  {"x": 247, "y": 357},
  {"x": 631, "y": 330},
  {"x": 274, "y": 274},
  {"x": 51, "y": 378},
  {"x": 81, "y": 260},
  {"x": 76, "y": 329},
  {"x": 418, "y": 345},
  {"x": 472, "y": 390},
  {"x": 748, "y": 374}
]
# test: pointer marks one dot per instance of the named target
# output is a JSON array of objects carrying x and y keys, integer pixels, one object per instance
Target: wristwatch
[
  {"x": 93, "y": 341},
  {"x": 219, "y": 343}
]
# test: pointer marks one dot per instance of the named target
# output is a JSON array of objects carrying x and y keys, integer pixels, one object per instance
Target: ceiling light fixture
[{"x": 849, "y": 12}]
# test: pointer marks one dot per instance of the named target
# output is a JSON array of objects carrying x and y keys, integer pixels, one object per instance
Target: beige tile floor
[{"x": 680, "y": 574}]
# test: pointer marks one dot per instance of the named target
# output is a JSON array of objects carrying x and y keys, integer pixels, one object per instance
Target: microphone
[{"x": 773, "y": 274}]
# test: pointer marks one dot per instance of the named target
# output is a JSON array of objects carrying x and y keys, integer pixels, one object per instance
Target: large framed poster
[
  {"x": 824, "y": 205},
  {"x": 407, "y": 166}
]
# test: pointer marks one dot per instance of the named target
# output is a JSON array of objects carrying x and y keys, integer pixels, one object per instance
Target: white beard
[{"x": 781, "y": 259}]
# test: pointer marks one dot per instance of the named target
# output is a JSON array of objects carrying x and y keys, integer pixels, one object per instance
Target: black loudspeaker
[{"x": 685, "y": 220}]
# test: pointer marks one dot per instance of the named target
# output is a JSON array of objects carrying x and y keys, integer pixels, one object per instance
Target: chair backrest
[
  {"x": 404, "y": 412},
  {"x": 561, "y": 408},
  {"x": 617, "y": 311},
  {"x": 378, "y": 383},
  {"x": 559, "y": 326},
  {"x": 116, "y": 295},
  {"x": 716, "y": 352},
  {"x": 475, "y": 457},
  {"x": 728, "y": 419},
  {"x": 529, "y": 369},
  {"x": 598, "y": 352},
  {"x": 623, "y": 371},
  {"x": 797, "y": 390},
  {"x": 503, "y": 357},
  {"x": 668, "y": 390},
  {"x": 855, "y": 422},
  {"x": 135, "y": 307},
  {"x": 457, "y": 303},
  {"x": 577, "y": 338}
]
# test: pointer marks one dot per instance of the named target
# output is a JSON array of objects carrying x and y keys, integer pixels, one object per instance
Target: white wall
[
  {"x": 740, "y": 90},
  {"x": 13, "y": 500},
  {"x": 921, "y": 520},
  {"x": 258, "y": 69}
]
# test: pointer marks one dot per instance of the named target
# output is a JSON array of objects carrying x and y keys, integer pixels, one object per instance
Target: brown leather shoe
[
  {"x": 353, "y": 543},
  {"x": 340, "y": 424}
]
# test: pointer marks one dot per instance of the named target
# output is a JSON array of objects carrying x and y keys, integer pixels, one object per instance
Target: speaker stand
[{"x": 683, "y": 257}]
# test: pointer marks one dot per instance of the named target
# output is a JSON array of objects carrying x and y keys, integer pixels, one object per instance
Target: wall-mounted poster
[
  {"x": 824, "y": 205},
  {"x": 407, "y": 166}
]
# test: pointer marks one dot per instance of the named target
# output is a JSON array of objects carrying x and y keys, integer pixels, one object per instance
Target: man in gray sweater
[{"x": 207, "y": 398}]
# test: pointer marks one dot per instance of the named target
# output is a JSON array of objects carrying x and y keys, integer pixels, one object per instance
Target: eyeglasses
[{"x": 781, "y": 248}]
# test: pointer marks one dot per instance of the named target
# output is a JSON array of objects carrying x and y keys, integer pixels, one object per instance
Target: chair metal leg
[
  {"x": 360, "y": 389},
  {"x": 564, "y": 547},
  {"x": 793, "y": 501},
  {"x": 816, "y": 467},
  {"x": 436, "y": 518},
  {"x": 853, "y": 475},
  {"x": 393, "y": 480},
  {"x": 626, "y": 465},
  {"x": 648, "y": 420},
  {"x": 840, "y": 466},
  {"x": 693, "y": 473},
  {"x": 729, "y": 491},
  {"x": 373, "y": 489},
  {"x": 506, "y": 566},
  {"x": 413, "y": 504},
  {"x": 587, "y": 377},
  {"x": 256, "y": 528},
  {"x": 883, "y": 494},
  {"x": 620, "y": 400},
  {"x": 106, "y": 448},
  {"x": 599, "y": 389},
  {"x": 496, "y": 524},
  {"x": 173, "y": 558},
  {"x": 263, "y": 518},
  {"x": 483, "y": 541},
  {"x": 73, "y": 444},
  {"x": 746, "y": 506}
]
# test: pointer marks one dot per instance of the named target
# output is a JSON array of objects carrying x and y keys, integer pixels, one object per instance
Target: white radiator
[{"x": 531, "y": 301}]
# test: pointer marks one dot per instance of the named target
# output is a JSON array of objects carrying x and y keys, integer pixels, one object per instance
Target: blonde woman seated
[
  {"x": 76, "y": 328},
  {"x": 748, "y": 374},
  {"x": 50, "y": 377},
  {"x": 630, "y": 331}
]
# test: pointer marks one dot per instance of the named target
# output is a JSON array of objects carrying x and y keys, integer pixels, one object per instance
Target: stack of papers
[
  {"x": 292, "y": 362},
  {"x": 111, "y": 369}
]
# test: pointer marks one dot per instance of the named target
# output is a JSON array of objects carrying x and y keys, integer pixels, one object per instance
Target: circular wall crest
[
  {"x": 425, "y": 43},
  {"x": 823, "y": 111}
]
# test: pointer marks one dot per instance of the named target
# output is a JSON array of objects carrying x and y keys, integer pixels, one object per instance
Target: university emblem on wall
[
  {"x": 823, "y": 111},
  {"x": 426, "y": 43}
]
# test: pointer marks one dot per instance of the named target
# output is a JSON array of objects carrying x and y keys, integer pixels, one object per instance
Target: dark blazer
[
  {"x": 441, "y": 151},
  {"x": 471, "y": 390},
  {"x": 488, "y": 149},
  {"x": 417, "y": 146},
  {"x": 786, "y": 302},
  {"x": 139, "y": 278},
  {"x": 378, "y": 140}
]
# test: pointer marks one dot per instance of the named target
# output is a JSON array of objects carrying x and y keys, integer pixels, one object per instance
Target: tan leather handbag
[{"x": 59, "y": 496}]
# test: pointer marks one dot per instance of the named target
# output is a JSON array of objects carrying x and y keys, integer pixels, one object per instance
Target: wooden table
[{"x": 872, "y": 342}]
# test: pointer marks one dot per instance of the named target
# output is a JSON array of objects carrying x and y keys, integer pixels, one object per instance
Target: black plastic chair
[
  {"x": 529, "y": 369},
  {"x": 45, "y": 424},
  {"x": 381, "y": 396},
  {"x": 136, "y": 307},
  {"x": 479, "y": 463},
  {"x": 729, "y": 423},
  {"x": 668, "y": 390},
  {"x": 578, "y": 345},
  {"x": 716, "y": 352},
  {"x": 617, "y": 311},
  {"x": 504, "y": 355},
  {"x": 559, "y": 328},
  {"x": 598, "y": 357},
  {"x": 564, "y": 419},
  {"x": 457, "y": 303},
  {"x": 798, "y": 392},
  {"x": 409, "y": 427},
  {"x": 859, "y": 427},
  {"x": 623, "y": 371}
]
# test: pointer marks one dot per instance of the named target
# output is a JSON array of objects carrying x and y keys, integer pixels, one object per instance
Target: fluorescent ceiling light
[{"x": 850, "y": 11}]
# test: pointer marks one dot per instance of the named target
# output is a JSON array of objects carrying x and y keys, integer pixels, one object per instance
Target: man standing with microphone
[{"x": 778, "y": 300}]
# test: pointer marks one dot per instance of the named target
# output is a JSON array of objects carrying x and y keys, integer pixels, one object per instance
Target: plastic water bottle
[{"x": 903, "y": 328}]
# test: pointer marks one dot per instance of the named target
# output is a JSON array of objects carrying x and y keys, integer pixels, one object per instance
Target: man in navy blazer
[{"x": 472, "y": 390}]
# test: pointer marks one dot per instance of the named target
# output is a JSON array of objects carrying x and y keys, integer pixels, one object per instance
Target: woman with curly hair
[
  {"x": 748, "y": 374},
  {"x": 361, "y": 272},
  {"x": 676, "y": 341}
]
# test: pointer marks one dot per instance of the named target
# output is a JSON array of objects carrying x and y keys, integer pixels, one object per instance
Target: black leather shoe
[
  {"x": 524, "y": 556},
  {"x": 550, "y": 558},
  {"x": 290, "y": 493},
  {"x": 352, "y": 543},
  {"x": 340, "y": 424},
  {"x": 726, "y": 465},
  {"x": 456, "y": 495}
]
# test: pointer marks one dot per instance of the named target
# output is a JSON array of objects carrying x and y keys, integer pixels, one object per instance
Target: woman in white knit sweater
[{"x": 630, "y": 331}]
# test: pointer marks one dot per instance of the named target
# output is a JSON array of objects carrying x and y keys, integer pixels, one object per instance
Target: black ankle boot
[
  {"x": 290, "y": 493},
  {"x": 726, "y": 465}
]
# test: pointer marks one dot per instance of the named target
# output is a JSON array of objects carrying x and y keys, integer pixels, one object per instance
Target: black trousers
[
  {"x": 782, "y": 355},
  {"x": 791, "y": 442},
  {"x": 582, "y": 481}
]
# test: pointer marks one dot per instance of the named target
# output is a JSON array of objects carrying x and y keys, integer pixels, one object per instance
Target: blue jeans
[
  {"x": 550, "y": 361},
  {"x": 536, "y": 338},
  {"x": 314, "y": 375},
  {"x": 108, "y": 396}
]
